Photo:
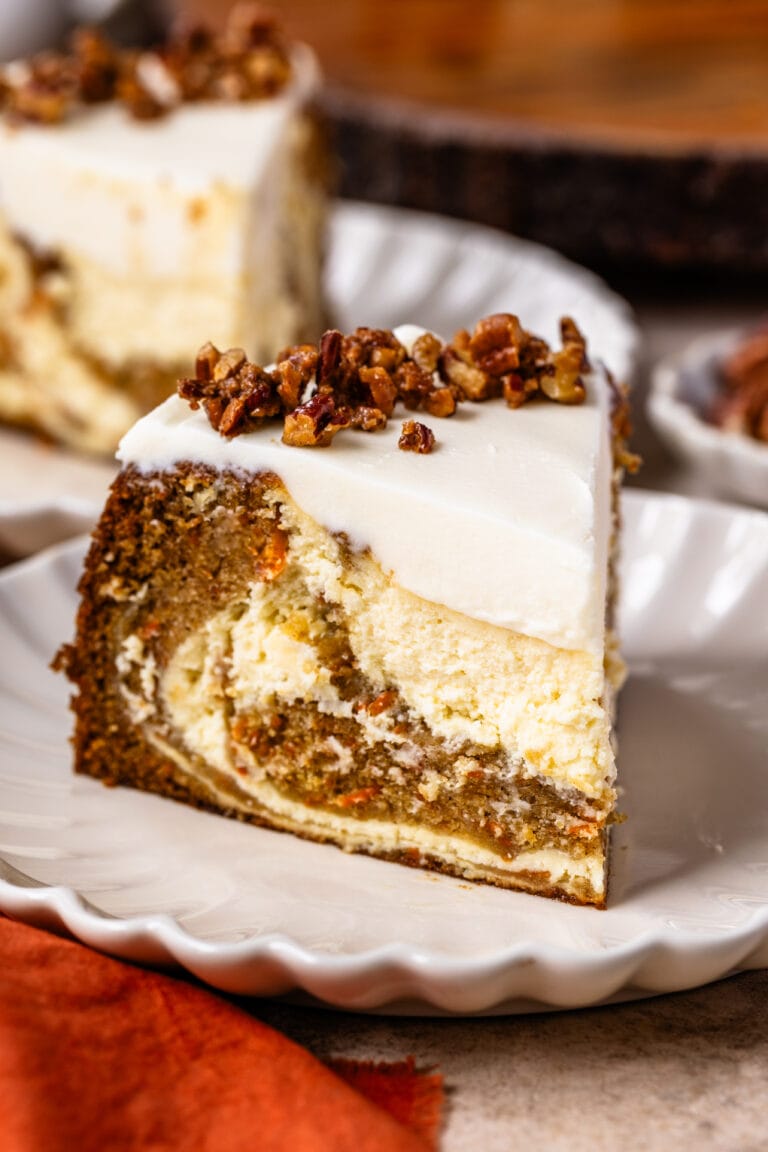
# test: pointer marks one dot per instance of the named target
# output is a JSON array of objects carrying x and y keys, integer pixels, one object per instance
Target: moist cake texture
[
  {"x": 406, "y": 653},
  {"x": 145, "y": 197}
]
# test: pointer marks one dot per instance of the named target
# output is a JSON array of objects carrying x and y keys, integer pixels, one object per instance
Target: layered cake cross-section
[
  {"x": 146, "y": 197},
  {"x": 366, "y": 595}
]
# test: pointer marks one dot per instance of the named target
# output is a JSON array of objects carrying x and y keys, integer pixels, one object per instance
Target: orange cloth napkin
[{"x": 96, "y": 1054}]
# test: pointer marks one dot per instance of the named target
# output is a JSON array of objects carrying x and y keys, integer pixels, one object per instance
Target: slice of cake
[
  {"x": 145, "y": 197},
  {"x": 396, "y": 635}
]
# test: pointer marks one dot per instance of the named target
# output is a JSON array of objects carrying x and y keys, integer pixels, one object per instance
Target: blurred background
[{"x": 629, "y": 134}]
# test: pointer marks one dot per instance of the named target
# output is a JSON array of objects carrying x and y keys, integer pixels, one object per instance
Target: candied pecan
[
  {"x": 441, "y": 402},
  {"x": 266, "y": 71},
  {"x": 472, "y": 383},
  {"x": 513, "y": 390},
  {"x": 96, "y": 65},
  {"x": 192, "y": 59},
  {"x": 416, "y": 437},
  {"x": 382, "y": 388},
  {"x": 414, "y": 384},
  {"x": 534, "y": 357},
  {"x": 294, "y": 370},
  {"x": 426, "y": 351},
  {"x": 495, "y": 344},
  {"x": 374, "y": 348},
  {"x": 743, "y": 407},
  {"x": 330, "y": 355},
  {"x": 233, "y": 417},
  {"x": 314, "y": 423},
  {"x": 228, "y": 364},
  {"x": 213, "y": 406},
  {"x": 563, "y": 381},
  {"x": 368, "y": 419},
  {"x": 260, "y": 392},
  {"x": 291, "y": 384},
  {"x": 206, "y": 361},
  {"x": 45, "y": 89}
]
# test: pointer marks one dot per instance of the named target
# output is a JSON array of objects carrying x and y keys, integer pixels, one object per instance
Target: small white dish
[
  {"x": 386, "y": 266},
  {"x": 683, "y": 390},
  {"x": 257, "y": 912}
]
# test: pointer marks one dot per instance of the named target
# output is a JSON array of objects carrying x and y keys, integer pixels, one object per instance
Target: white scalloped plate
[
  {"x": 254, "y": 911},
  {"x": 683, "y": 389},
  {"x": 386, "y": 267}
]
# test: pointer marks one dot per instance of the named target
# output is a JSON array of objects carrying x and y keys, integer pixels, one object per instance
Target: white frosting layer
[
  {"x": 128, "y": 194},
  {"x": 507, "y": 521}
]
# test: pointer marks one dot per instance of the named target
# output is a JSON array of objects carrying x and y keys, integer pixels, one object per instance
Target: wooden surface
[
  {"x": 657, "y": 72},
  {"x": 626, "y": 134}
]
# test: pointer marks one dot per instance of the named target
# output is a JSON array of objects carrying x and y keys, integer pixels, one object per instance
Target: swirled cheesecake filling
[{"x": 311, "y": 696}]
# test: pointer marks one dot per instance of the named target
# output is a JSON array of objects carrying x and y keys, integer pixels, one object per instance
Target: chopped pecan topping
[
  {"x": 495, "y": 344},
  {"x": 368, "y": 419},
  {"x": 440, "y": 402},
  {"x": 382, "y": 388},
  {"x": 426, "y": 351},
  {"x": 228, "y": 364},
  {"x": 248, "y": 61},
  {"x": 414, "y": 384},
  {"x": 97, "y": 65},
  {"x": 315, "y": 423},
  {"x": 564, "y": 381},
  {"x": 458, "y": 368},
  {"x": 742, "y": 405},
  {"x": 329, "y": 356},
  {"x": 206, "y": 361},
  {"x": 416, "y": 437},
  {"x": 357, "y": 381}
]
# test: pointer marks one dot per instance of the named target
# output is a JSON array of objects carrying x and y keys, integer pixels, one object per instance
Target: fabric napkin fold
[{"x": 98, "y": 1054}]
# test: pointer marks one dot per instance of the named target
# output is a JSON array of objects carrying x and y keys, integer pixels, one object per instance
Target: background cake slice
[
  {"x": 399, "y": 641},
  {"x": 144, "y": 198}
]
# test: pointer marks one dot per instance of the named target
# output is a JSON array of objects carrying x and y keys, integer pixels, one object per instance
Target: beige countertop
[{"x": 683, "y": 1071}]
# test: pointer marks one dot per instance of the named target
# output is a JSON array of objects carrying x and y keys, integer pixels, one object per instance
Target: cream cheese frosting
[{"x": 507, "y": 521}]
